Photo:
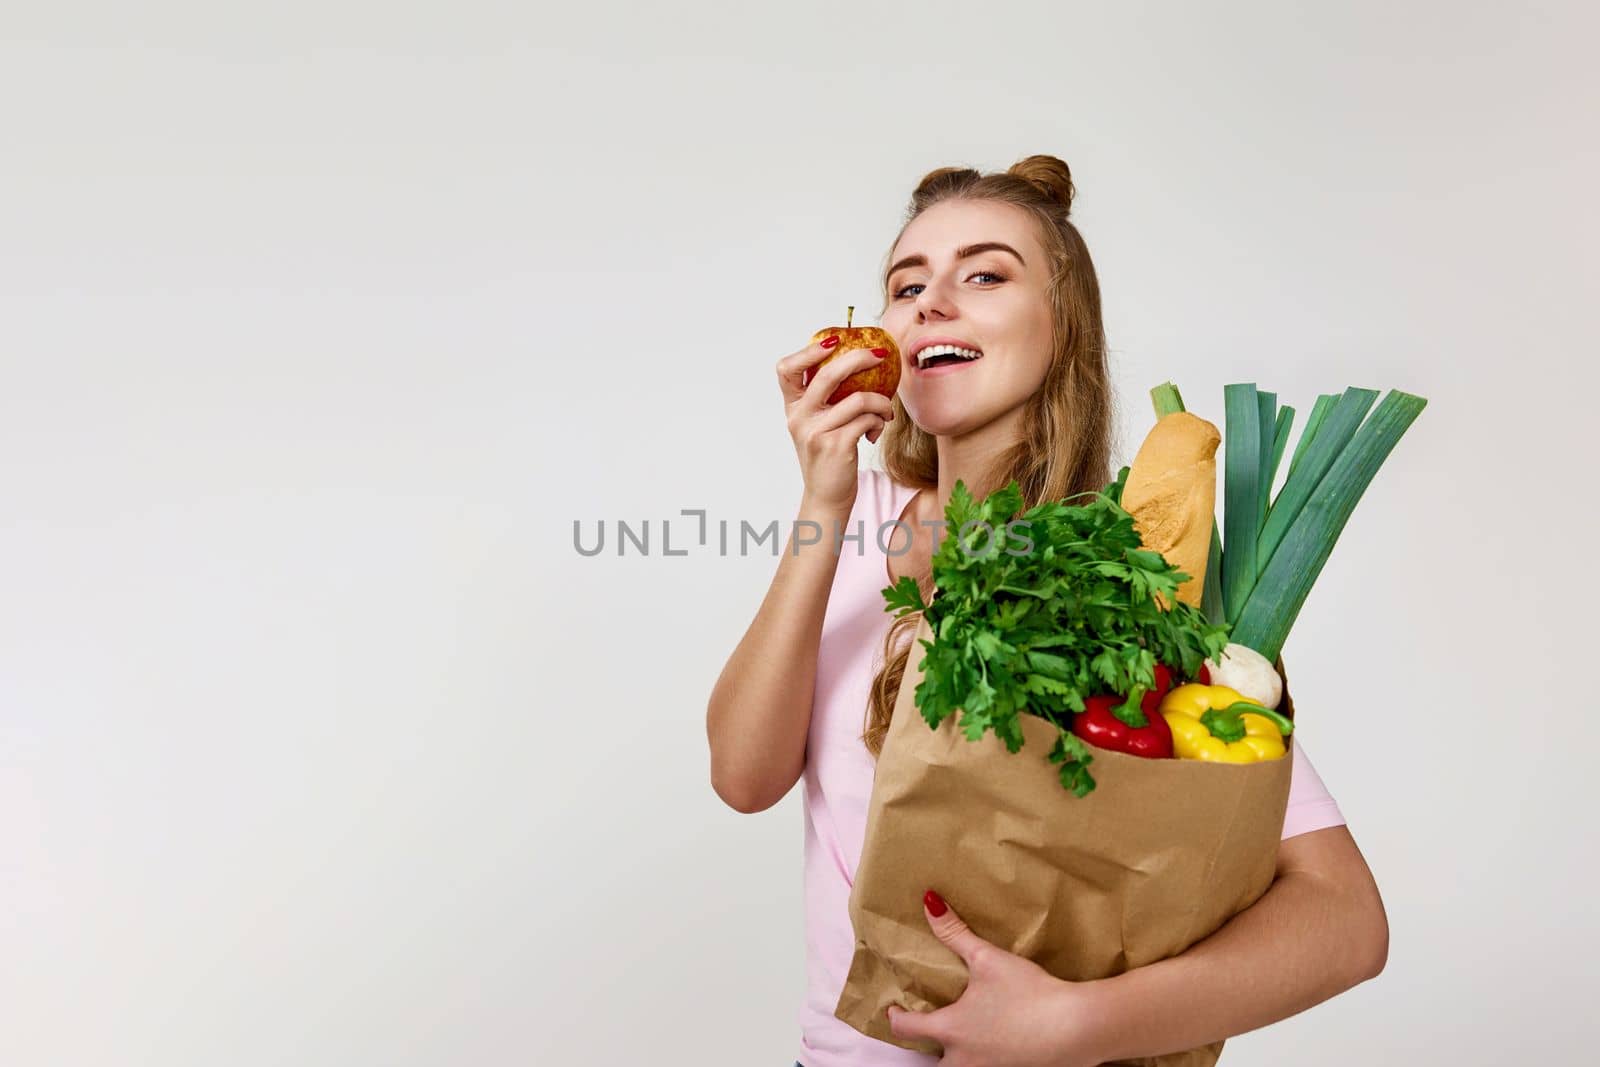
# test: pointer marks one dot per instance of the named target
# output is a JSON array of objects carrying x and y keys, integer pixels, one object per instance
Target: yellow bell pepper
[{"x": 1214, "y": 722}]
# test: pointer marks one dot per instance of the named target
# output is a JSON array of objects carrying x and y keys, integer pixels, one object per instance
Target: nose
[{"x": 933, "y": 302}]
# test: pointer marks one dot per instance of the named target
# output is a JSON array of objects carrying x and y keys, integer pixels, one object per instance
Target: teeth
[{"x": 935, "y": 350}]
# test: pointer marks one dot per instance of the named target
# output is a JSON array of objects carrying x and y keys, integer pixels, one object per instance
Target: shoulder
[
  {"x": 869, "y": 481},
  {"x": 881, "y": 481},
  {"x": 875, "y": 493}
]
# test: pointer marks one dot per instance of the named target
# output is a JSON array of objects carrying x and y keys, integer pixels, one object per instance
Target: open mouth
[{"x": 936, "y": 356}]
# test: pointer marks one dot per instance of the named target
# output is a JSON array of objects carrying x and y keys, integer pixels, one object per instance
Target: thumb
[
  {"x": 904, "y": 1022},
  {"x": 949, "y": 928}
]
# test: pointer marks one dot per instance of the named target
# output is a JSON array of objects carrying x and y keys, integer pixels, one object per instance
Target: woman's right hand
[{"x": 825, "y": 435}]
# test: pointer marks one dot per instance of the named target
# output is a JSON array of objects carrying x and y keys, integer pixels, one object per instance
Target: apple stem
[{"x": 849, "y": 315}]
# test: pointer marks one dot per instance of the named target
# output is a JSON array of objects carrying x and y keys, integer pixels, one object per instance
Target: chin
[
  {"x": 944, "y": 423},
  {"x": 952, "y": 414}
]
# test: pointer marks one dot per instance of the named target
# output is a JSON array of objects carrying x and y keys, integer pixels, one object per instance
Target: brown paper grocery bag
[{"x": 1158, "y": 856}]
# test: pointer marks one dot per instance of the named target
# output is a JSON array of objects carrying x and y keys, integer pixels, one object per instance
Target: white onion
[{"x": 1247, "y": 671}]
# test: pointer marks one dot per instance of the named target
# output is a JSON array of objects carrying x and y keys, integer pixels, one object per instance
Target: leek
[
  {"x": 1280, "y": 437},
  {"x": 1241, "y": 486},
  {"x": 1336, "y": 431},
  {"x": 1319, "y": 411},
  {"x": 1288, "y": 573},
  {"x": 1270, "y": 551}
]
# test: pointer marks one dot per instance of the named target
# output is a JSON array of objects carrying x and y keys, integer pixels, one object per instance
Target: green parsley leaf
[{"x": 1041, "y": 631}]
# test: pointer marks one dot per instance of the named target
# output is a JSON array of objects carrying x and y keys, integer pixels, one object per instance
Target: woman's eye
[{"x": 979, "y": 274}]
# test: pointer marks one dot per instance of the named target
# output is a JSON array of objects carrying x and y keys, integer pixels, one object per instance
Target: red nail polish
[
  {"x": 880, "y": 352},
  {"x": 829, "y": 342},
  {"x": 934, "y": 903}
]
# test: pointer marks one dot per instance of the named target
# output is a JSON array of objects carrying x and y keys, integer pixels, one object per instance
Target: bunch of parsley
[{"x": 1038, "y": 611}]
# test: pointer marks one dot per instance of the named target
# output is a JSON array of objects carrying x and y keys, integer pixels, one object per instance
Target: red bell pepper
[
  {"x": 1099, "y": 726},
  {"x": 1152, "y": 700}
]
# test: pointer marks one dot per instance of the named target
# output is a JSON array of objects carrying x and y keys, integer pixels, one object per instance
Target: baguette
[{"x": 1171, "y": 493}]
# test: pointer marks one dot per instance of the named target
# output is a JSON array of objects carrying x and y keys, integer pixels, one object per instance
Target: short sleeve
[{"x": 1310, "y": 805}]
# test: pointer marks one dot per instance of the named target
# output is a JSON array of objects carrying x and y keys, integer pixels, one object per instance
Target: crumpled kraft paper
[{"x": 1157, "y": 857}]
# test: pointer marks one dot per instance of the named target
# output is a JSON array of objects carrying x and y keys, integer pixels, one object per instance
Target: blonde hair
[{"x": 1066, "y": 443}]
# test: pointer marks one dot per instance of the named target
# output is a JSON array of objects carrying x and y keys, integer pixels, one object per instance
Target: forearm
[
  {"x": 1305, "y": 940},
  {"x": 760, "y": 708}
]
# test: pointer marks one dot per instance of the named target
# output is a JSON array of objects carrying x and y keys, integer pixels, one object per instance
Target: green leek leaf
[
  {"x": 1167, "y": 399},
  {"x": 1211, "y": 587},
  {"x": 1280, "y": 438},
  {"x": 1267, "y": 417},
  {"x": 1241, "y": 495},
  {"x": 1285, "y": 582},
  {"x": 1336, "y": 431},
  {"x": 1319, "y": 411}
]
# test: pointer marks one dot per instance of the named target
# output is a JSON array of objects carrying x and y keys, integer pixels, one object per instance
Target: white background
[{"x": 322, "y": 322}]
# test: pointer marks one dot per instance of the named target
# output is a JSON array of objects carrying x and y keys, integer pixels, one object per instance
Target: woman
[{"x": 990, "y": 264}]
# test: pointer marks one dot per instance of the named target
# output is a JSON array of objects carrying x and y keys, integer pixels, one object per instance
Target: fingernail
[
  {"x": 829, "y": 342},
  {"x": 880, "y": 352},
  {"x": 934, "y": 903}
]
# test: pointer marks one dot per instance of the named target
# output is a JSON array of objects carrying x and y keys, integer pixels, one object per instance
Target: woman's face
[{"x": 987, "y": 300}]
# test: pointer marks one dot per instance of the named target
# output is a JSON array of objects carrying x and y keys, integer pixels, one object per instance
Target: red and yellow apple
[{"x": 882, "y": 377}]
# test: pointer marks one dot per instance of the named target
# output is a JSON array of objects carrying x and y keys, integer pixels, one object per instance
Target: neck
[{"x": 968, "y": 457}]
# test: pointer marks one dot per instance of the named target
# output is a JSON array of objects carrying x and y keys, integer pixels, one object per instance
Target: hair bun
[
  {"x": 940, "y": 183},
  {"x": 1048, "y": 173}
]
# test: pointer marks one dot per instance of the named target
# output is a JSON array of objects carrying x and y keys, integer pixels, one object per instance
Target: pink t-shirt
[{"x": 839, "y": 770}]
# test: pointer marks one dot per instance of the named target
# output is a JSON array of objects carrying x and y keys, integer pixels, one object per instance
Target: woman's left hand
[{"x": 1013, "y": 1012}]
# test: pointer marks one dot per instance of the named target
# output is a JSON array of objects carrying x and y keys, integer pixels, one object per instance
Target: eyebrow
[{"x": 961, "y": 253}]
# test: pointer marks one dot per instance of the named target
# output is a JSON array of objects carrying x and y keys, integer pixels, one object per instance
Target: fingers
[
  {"x": 949, "y": 928},
  {"x": 792, "y": 369},
  {"x": 846, "y": 410},
  {"x": 823, "y": 380},
  {"x": 839, "y": 441},
  {"x": 868, "y": 425}
]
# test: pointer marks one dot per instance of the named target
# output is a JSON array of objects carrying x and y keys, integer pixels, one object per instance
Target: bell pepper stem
[
  {"x": 1226, "y": 724},
  {"x": 1129, "y": 712}
]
